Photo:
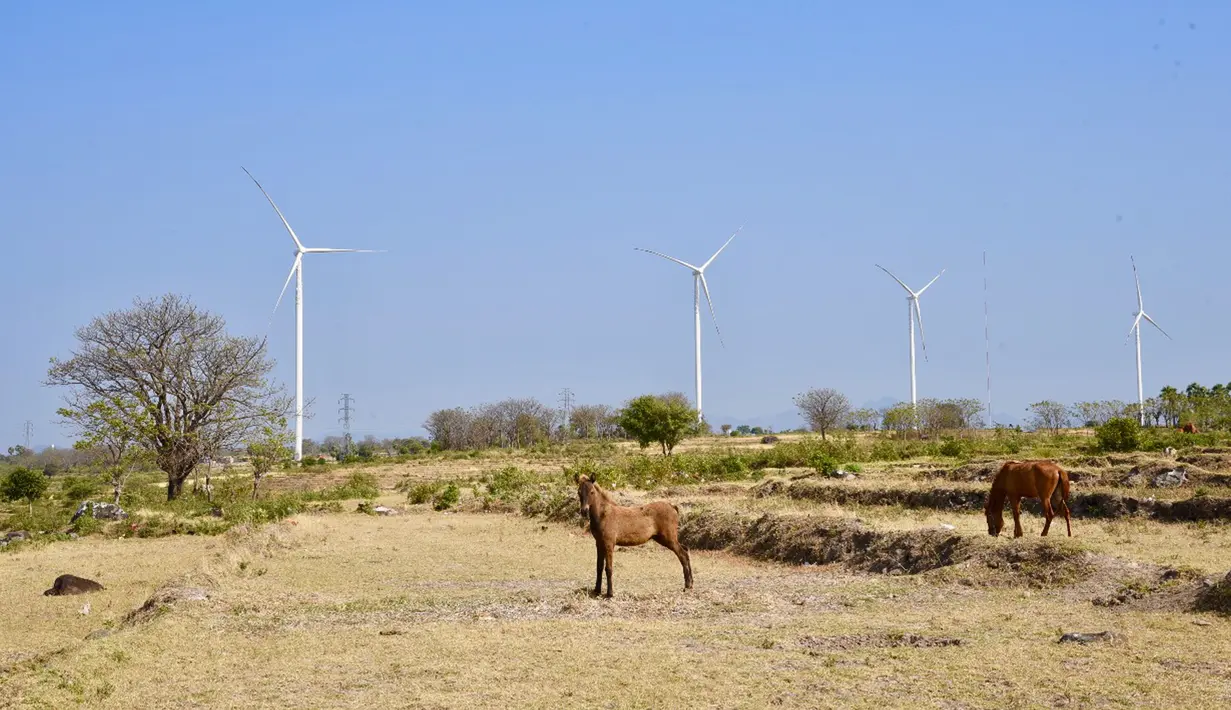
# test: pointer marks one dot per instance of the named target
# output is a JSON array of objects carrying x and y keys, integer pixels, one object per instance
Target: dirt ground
[{"x": 439, "y": 610}]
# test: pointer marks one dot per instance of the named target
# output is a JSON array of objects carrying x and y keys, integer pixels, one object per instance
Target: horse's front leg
[
  {"x": 1016, "y": 502},
  {"x": 609, "y": 553},
  {"x": 598, "y": 573}
]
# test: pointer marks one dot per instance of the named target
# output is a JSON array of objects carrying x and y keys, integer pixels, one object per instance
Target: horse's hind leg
[
  {"x": 1048, "y": 511},
  {"x": 1065, "y": 507},
  {"x": 681, "y": 552}
]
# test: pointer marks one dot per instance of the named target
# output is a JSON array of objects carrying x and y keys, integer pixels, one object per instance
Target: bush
[
  {"x": 508, "y": 480},
  {"x": 76, "y": 489},
  {"x": 420, "y": 493},
  {"x": 1119, "y": 434},
  {"x": 953, "y": 447},
  {"x": 87, "y": 525},
  {"x": 825, "y": 464},
  {"x": 447, "y": 498}
]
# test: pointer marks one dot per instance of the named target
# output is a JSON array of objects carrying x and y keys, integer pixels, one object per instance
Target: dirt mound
[
  {"x": 850, "y": 642},
  {"x": 1215, "y": 596},
  {"x": 1095, "y": 504},
  {"x": 713, "y": 489},
  {"x": 972, "y": 472},
  {"x": 936, "y": 498},
  {"x": 803, "y": 539}
]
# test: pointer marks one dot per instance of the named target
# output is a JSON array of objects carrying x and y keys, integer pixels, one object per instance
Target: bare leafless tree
[
  {"x": 824, "y": 409},
  {"x": 190, "y": 382}
]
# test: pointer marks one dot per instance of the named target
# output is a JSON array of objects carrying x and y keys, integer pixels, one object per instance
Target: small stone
[
  {"x": 1203, "y": 622},
  {"x": 1078, "y": 637}
]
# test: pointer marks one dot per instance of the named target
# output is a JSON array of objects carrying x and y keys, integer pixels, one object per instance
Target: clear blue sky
[{"x": 510, "y": 156}]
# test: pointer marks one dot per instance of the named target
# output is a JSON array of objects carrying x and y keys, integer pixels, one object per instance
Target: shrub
[
  {"x": 447, "y": 498},
  {"x": 86, "y": 525},
  {"x": 420, "y": 493},
  {"x": 1119, "y": 434},
  {"x": 76, "y": 489},
  {"x": 953, "y": 447},
  {"x": 508, "y": 480},
  {"x": 824, "y": 464}
]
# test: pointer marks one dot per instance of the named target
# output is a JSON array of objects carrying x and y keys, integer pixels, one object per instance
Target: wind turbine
[
  {"x": 912, "y": 310},
  {"x": 297, "y": 273},
  {"x": 1136, "y": 329},
  {"x": 698, "y": 285}
]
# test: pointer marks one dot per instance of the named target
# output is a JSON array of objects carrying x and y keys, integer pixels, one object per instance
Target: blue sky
[{"x": 510, "y": 156}]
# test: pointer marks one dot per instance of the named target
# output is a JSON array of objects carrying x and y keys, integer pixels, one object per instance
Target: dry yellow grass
[{"x": 454, "y": 610}]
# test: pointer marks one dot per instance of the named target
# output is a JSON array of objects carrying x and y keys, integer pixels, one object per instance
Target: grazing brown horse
[
  {"x": 1189, "y": 428},
  {"x": 612, "y": 525},
  {"x": 1027, "y": 479}
]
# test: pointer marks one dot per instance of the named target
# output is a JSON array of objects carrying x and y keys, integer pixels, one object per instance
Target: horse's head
[
  {"x": 586, "y": 490},
  {"x": 995, "y": 521}
]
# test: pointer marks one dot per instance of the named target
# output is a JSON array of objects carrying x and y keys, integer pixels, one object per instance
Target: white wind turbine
[
  {"x": 1136, "y": 329},
  {"x": 698, "y": 285},
  {"x": 297, "y": 273},
  {"x": 912, "y": 309}
]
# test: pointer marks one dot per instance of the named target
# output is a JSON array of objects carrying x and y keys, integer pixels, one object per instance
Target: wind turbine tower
[
  {"x": 912, "y": 311},
  {"x": 297, "y": 274},
  {"x": 1136, "y": 330},
  {"x": 698, "y": 285}
]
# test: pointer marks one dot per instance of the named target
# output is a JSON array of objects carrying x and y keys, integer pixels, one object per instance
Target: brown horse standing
[
  {"x": 1027, "y": 479},
  {"x": 612, "y": 525},
  {"x": 1189, "y": 428}
]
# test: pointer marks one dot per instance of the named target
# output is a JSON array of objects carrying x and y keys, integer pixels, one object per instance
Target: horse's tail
[{"x": 1064, "y": 485}]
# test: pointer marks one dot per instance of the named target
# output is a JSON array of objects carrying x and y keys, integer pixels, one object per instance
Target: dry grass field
[
  {"x": 485, "y": 606},
  {"x": 432, "y": 610}
]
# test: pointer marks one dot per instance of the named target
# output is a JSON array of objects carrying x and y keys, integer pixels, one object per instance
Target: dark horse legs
[
  {"x": 598, "y": 574},
  {"x": 681, "y": 553}
]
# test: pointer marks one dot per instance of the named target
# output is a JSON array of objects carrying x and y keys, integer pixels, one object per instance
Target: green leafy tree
[
  {"x": 24, "y": 484},
  {"x": 660, "y": 419},
  {"x": 269, "y": 447},
  {"x": 189, "y": 389},
  {"x": 109, "y": 431}
]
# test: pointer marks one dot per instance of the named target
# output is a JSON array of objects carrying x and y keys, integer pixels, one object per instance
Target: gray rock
[
  {"x": 1078, "y": 637},
  {"x": 1170, "y": 479},
  {"x": 384, "y": 510},
  {"x": 100, "y": 511},
  {"x": 16, "y": 536}
]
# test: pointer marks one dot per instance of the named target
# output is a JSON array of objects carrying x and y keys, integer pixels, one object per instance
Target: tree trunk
[
  {"x": 175, "y": 485},
  {"x": 256, "y": 482},
  {"x": 118, "y": 488}
]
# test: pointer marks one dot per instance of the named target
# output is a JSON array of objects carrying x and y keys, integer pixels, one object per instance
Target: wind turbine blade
[
  {"x": 724, "y": 246},
  {"x": 706, "y": 287},
  {"x": 1140, "y": 304},
  {"x": 942, "y": 271},
  {"x": 919, "y": 316},
  {"x": 271, "y": 202},
  {"x": 668, "y": 258},
  {"x": 887, "y": 271},
  {"x": 1136, "y": 324},
  {"x": 1156, "y": 325},
  {"x": 320, "y": 250},
  {"x": 294, "y": 266}
]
